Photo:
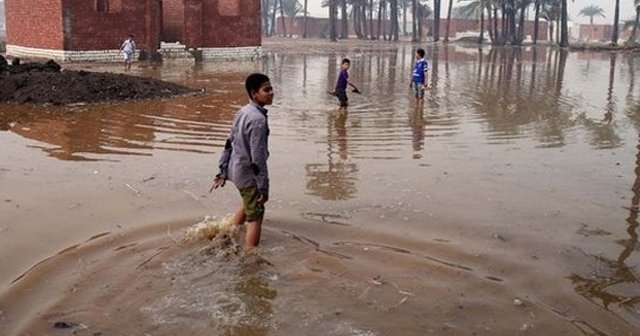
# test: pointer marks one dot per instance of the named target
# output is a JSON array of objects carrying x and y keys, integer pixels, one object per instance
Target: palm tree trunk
[
  {"x": 404, "y": 17},
  {"x": 355, "y": 13},
  {"x": 536, "y": 22},
  {"x": 273, "y": 17},
  {"x": 333, "y": 13},
  {"x": 379, "y": 20},
  {"x": 558, "y": 28},
  {"x": 436, "y": 20},
  {"x": 496, "y": 32},
  {"x": 591, "y": 27},
  {"x": 481, "y": 38},
  {"x": 632, "y": 38},
  {"x": 383, "y": 3},
  {"x": 344, "y": 28},
  {"x": 304, "y": 33},
  {"x": 284, "y": 25},
  {"x": 446, "y": 34},
  {"x": 414, "y": 14},
  {"x": 616, "y": 18},
  {"x": 371, "y": 18},
  {"x": 523, "y": 11},
  {"x": 363, "y": 13},
  {"x": 564, "y": 35},
  {"x": 490, "y": 24},
  {"x": 395, "y": 27},
  {"x": 264, "y": 13}
]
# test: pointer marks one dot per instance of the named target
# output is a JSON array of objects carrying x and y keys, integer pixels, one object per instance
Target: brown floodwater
[{"x": 507, "y": 204}]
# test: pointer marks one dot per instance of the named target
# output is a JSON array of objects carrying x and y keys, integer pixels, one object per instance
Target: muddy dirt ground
[{"x": 47, "y": 83}]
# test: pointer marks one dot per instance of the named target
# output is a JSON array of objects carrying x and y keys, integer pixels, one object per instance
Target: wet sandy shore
[{"x": 506, "y": 205}]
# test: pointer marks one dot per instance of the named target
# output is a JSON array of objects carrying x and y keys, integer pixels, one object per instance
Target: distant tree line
[{"x": 502, "y": 20}]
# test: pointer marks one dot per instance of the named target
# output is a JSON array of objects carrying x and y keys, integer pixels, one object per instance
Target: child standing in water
[
  {"x": 420, "y": 76},
  {"x": 128, "y": 49},
  {"x": 244, "y": 159},
  {"x": 342, "y": 82}
]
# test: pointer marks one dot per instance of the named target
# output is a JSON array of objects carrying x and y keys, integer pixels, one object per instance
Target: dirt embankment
[{"x": 46, "y": 83}]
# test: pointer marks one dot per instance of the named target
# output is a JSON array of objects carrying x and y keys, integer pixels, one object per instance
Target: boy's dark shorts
[
  {"x": 252, "y": 209},
  {"x": 342, "y": 97}
]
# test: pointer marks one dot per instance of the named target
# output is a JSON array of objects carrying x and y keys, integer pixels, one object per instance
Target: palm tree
[
  {"x": 436, "y": 20},
  {"x": 473, "y": 9},
  {"x": 304, "y": 32},
  {"x": 549, "y": 12},
  {"x": 616, "y": 20},
  {"x": 333, "y": 13},
  {"x": 536, "y": 21},
  {"x": 344, "y": 27},
  {"x": 395, "y": 27},
  {"x": 591, "y": 11},
  {"x": 446, "y": 34},
  {"x": 414, "y": 20},
  {"x": 564, "y": 27},
  {"x": 291, "y": 8},
  {"x": 634, "y": 32}
]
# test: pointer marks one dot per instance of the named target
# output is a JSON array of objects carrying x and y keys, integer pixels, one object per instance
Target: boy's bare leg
[
  {"x": 252, "y": 239},
  {"x": 239, "y": 217}
]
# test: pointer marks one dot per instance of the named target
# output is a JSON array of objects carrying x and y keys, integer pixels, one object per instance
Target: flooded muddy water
[{"x": 507, "y": 204}]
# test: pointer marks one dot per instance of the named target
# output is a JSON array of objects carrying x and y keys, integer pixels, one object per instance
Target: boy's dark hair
[
  {"x": 420, "y": 52},
  {"x": 254, "y": 81},
  {"x": 345, "y": 60}
]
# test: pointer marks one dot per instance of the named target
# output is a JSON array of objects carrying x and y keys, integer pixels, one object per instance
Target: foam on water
[{"x": 209, "y": 228}]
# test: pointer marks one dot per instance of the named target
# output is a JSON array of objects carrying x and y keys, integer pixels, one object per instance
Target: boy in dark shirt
[
  {"x": 244, "y": 159},
  {"x": 342, "y": 82}
]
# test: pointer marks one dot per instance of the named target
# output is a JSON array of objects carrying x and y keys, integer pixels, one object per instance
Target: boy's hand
[{"x": 217, "y": 182}]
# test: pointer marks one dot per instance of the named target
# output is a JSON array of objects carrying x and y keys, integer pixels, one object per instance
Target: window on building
[
  {"x": 108, "y": 6},
  {"x": 102, "y": 6}
]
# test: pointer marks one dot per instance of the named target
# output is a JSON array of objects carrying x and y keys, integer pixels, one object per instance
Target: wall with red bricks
[
  {"x": 93, "y": 30},
  {"x": 78, "y": 25},
  {"x": 173, "y": 20},
  {"x": 35, "y": 23},
  {"x": 230, "y": 23}
]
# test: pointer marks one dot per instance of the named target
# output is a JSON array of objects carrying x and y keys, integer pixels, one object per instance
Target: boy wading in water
[
  {"x": 244, "y": 159},
  {"x": 420, "y": 76},
  {"x": 342, "y": 82}
]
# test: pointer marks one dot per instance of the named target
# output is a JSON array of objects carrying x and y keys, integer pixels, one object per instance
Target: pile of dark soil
[{"x": 44, "y": 83}]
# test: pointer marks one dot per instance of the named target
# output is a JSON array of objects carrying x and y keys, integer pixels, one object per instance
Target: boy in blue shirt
[
  {"x": 244, "y": 159},
  {"x": 420, "y": 75},
  {"x": 342, "y": 82}
]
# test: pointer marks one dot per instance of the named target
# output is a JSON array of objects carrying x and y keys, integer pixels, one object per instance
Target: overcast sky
[{"x": 627, "y": 10}]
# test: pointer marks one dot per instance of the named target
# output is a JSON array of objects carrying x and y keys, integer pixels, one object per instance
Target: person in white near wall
[{"x": 128, "y": 49}]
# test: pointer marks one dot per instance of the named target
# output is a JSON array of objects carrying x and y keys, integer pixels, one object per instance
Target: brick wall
[
  {"x": 222, "y": 28},
  {"x": 93, "y": 30},
  {"x": 34, "y": 23},
  {"x": 173, "y": 20},
  {"x": 80, "y": 27}
]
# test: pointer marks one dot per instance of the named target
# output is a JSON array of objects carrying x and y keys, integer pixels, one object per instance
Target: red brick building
[{"x": 95, "y": 29}]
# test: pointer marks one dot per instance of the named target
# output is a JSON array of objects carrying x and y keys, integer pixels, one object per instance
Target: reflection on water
[
  {"x": 520, "y": 145},
  {"x": 335, "y": 180},
  {"x": 614, "y": 282}
]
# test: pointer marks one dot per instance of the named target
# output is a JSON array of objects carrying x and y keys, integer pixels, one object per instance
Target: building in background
[{"x": 93, "y": 30}]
